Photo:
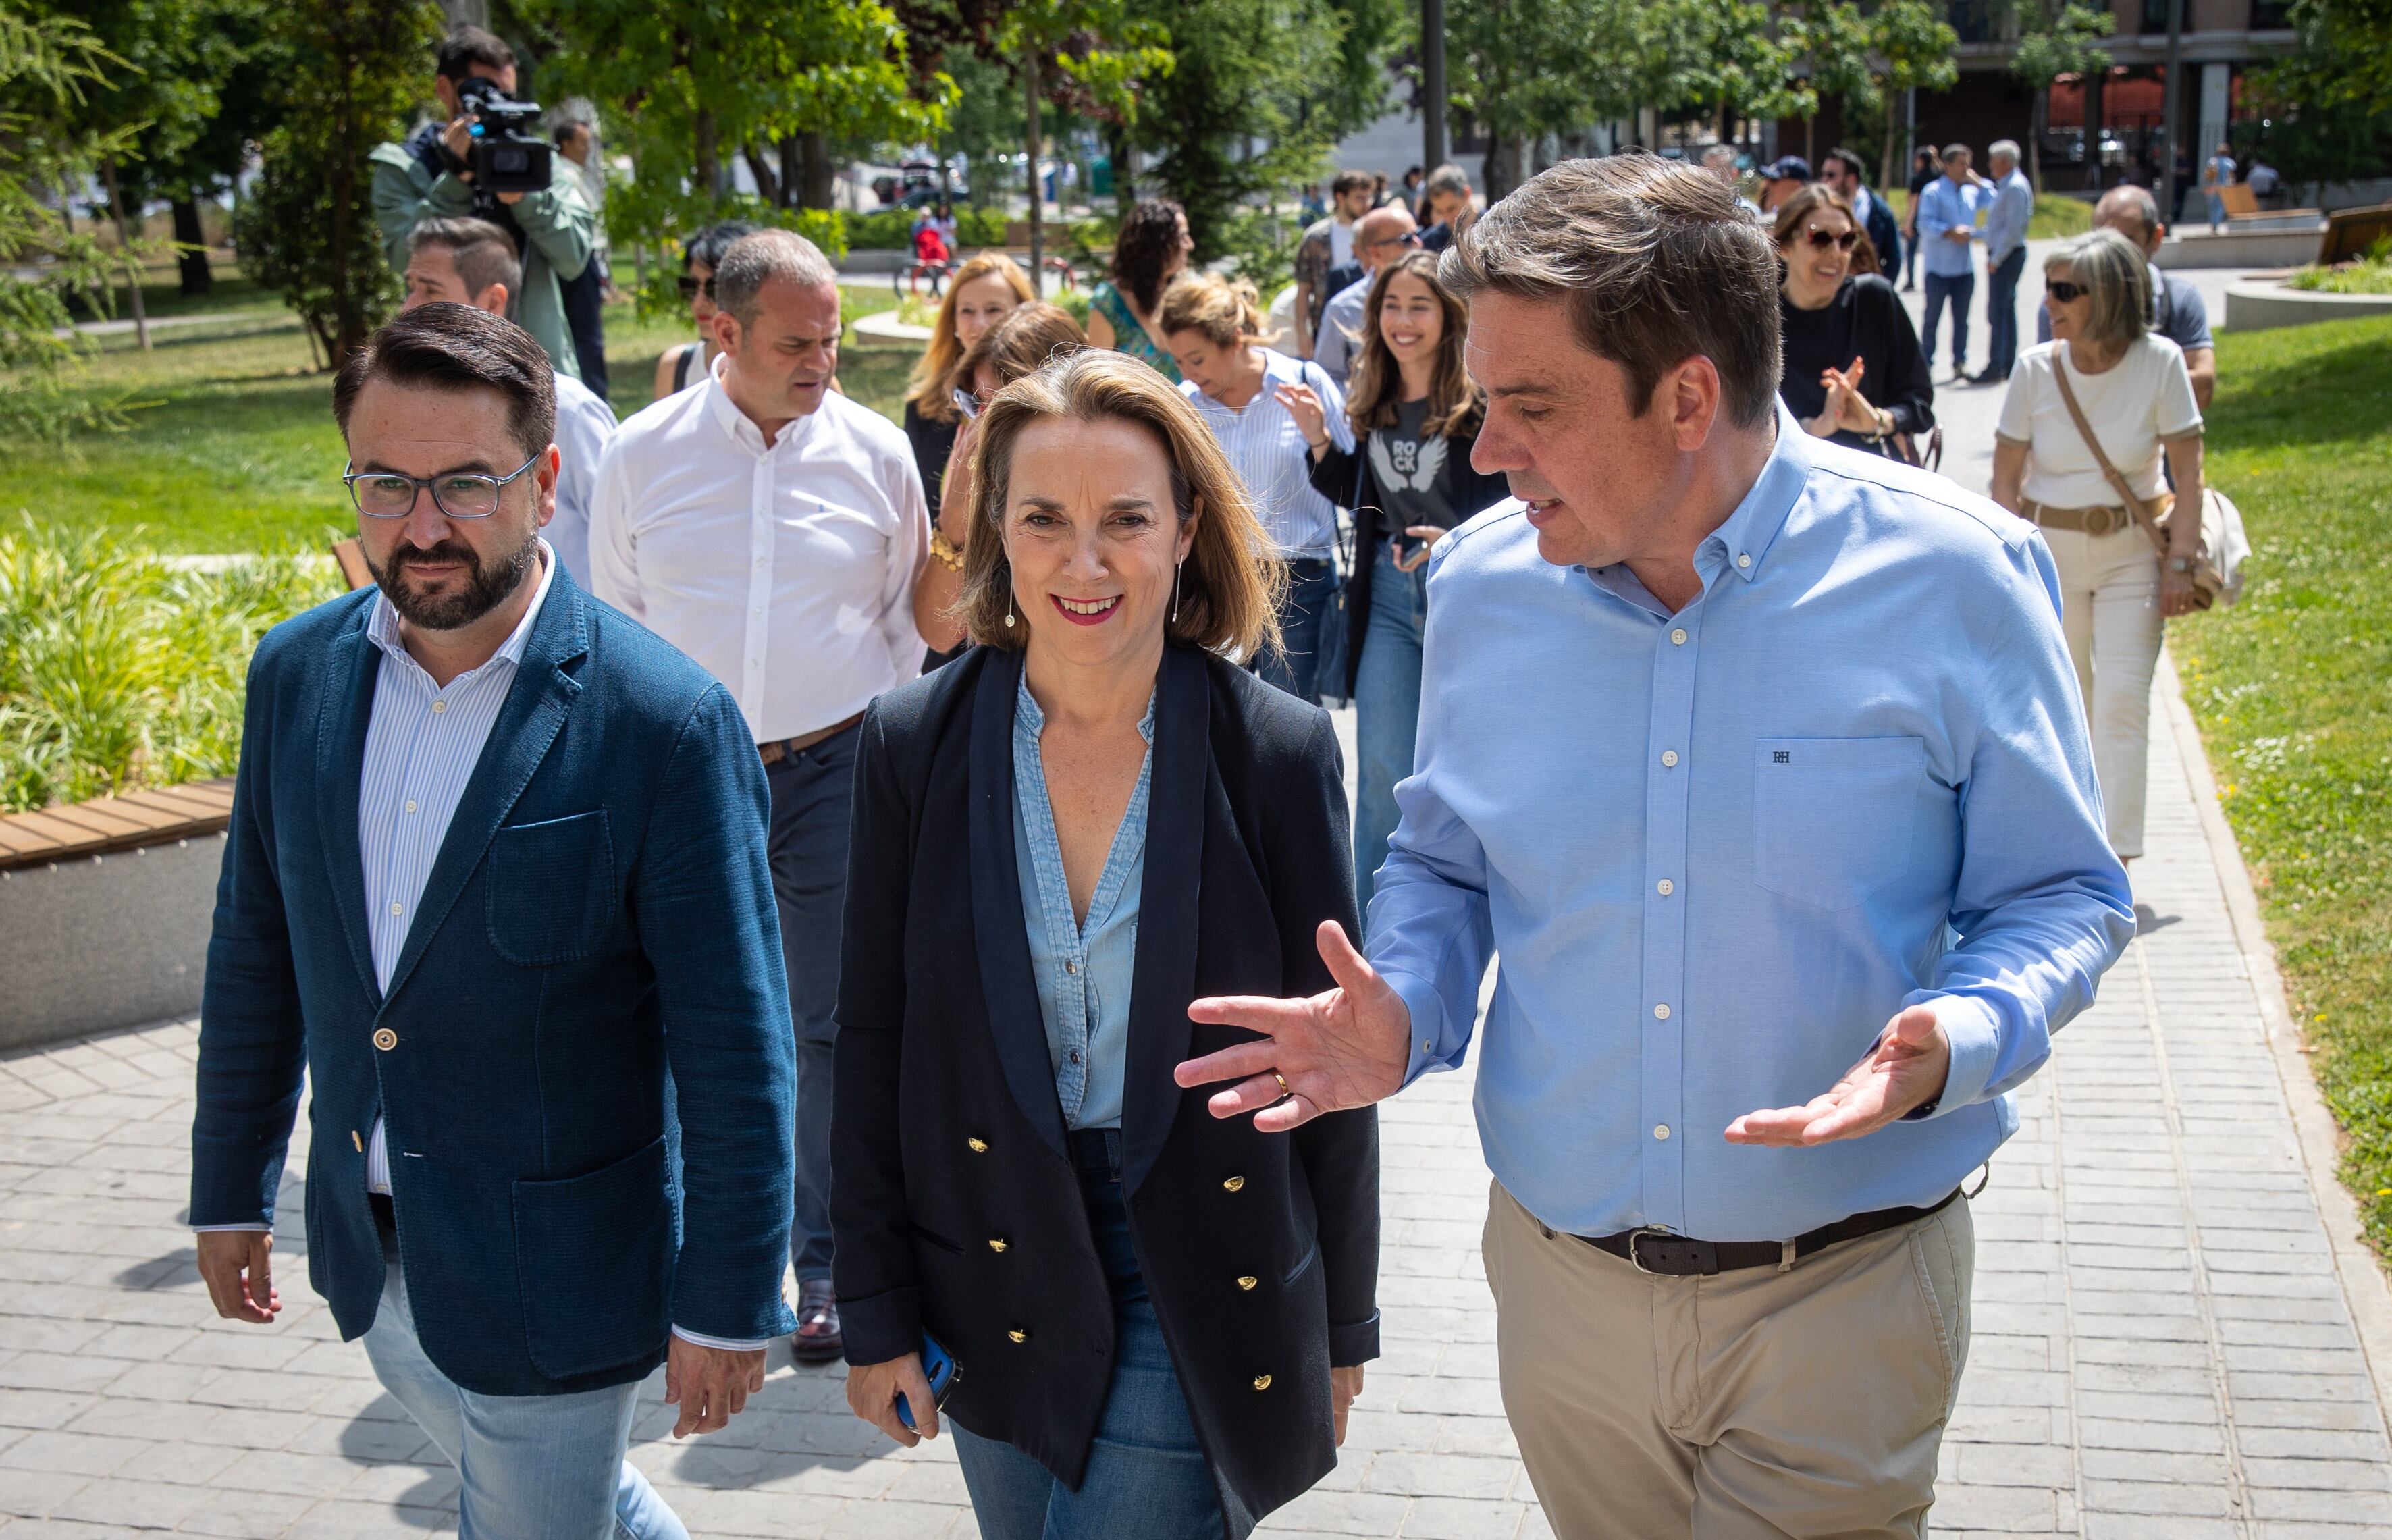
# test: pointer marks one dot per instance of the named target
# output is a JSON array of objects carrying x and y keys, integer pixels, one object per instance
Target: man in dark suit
[{"x": 496, "y": 880}]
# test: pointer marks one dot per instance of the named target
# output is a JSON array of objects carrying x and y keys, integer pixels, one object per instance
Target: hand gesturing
[
  {"x": 1905, "y": 1068},
  {"x": 1343, "y": 1048}
]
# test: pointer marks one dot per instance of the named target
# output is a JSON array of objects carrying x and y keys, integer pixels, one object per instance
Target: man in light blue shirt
[
  {"x": 1947, "y": 227},
  {"x": 2011, "y": 206},
  {"x": 1757, "y": 762}
]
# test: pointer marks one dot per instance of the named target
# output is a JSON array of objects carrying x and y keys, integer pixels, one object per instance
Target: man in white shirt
[
  {"x": 772, "y": 530},
  {"x": 472, "y": 261}
]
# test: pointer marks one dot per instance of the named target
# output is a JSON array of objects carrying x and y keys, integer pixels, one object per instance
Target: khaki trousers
[{"x": 1753, "y": 1404}]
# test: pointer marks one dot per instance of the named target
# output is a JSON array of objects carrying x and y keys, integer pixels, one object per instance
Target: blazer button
[
  {"x": 1248, "y": 1282},
  {"x": 1235, "y": 1184},
  {"x": 1262, "y": 1382},
  {"x": 385, "y": 1038},
  {"x": 977, "y": 1147},
  {"x": 1018, "y": 1335},
  {"x": 997, "y": 1243}
]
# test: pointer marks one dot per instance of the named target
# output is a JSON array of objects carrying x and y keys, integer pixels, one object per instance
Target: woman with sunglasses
[
  {"x": 2116, "y": 586},
  {"x": 1853, "y": 371},
  {"x": 686, "y": 365}
]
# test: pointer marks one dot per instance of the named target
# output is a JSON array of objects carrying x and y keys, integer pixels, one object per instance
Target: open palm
[
  {"x": 1344, "y": 1048},
  {"x": 1905, "y": 1069}
]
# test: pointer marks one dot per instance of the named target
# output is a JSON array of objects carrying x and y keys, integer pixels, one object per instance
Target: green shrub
[
  {"x": 118, "y": 670},
  {"x": 892, "y": 230},
  {"x": 2370, "y": 274}
]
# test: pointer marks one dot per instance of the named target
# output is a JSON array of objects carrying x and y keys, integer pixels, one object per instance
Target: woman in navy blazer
[{"x": 1060, "y": 840}]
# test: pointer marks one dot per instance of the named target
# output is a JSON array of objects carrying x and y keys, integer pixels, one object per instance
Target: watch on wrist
[{"x": 2180, "y": 565}]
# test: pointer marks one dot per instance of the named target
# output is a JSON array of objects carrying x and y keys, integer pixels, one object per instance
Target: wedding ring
[{"x": 1283, "y": 1083}]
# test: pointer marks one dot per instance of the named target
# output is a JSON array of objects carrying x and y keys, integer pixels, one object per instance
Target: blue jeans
[
  {"x": 1959, "y": 290},
  {"x": 532, "y": 1467},
  {"x": 2001, "y": 313},
  {"x": 1386, "y": 709},
  {"x": 807, "y": 842},
  {"x": 1304, "y": 617},
  {"x": 1146, "y": 1475}
]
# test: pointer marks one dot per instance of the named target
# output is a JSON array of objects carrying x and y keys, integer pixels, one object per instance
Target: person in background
[
  {"x": 690, "y": 364},
  {"x": 774, "y": 529},
  {"x": 1411, "y": 185},
  {"x": 1414, "y": 413},
  {"x": 1947, "y": 228},
  {"x": 468, "y": 262},
  {"x": 2217, "y": 176},
  {"x": 1028, "y": 337},
  {"x": 1753, "y": 764},
  {"x": 1451, "y": 207},
  {"x": 1150, "y": 251},
  {"x": 2178, "y": 313},
  {"x": 585, "y": 294},
  {"x": 1853, "y": 369},
  {"x": 1780, "y": 179},
  {"x": 2263, "y": 178},
  {"x": 985, "y": 291},
  {"x": 494, "y": 900},
  {"x": 1212, "y": 325},
  {"x": 1160, "y": 1319},
  {"x": 1721, "y": 160},
  {"x": 2117, "y": 588},
  {"x": 1923, "y": 170},
  {"x": 1380, "y": 236},
  {"x": 2011, "y": 209},
  {"x": 1842, "y": 171},
  {"x": 1329, "y": 244},
  {"x": 429, "y": 176},
  {"x": 1309, "y": 207}
]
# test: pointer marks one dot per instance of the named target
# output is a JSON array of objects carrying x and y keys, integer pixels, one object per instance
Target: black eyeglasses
[
  {"x": 2067, "y": 294},
  {"x": 1821, "y": 240},
  {"x": 693, "y": 287},
  {"x": 459, "y": 494},
  {"x": 1410, "y": 238}
]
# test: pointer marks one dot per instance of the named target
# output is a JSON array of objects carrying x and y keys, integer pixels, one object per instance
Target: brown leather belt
[
  {"x": 1658, "y": 1251},
  {"x": 784, "y": 748},
  {"x": 2091, "y": 521}
]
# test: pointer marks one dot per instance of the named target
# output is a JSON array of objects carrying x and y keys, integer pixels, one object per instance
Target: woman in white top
[{"x": 2115, "y": 586}]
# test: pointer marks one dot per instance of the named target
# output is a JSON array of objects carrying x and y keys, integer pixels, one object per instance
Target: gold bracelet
[{"x": 944, "y": 552}]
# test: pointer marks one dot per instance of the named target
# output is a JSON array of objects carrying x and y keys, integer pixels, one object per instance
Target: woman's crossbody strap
[{"x": 2118, "y": 483}]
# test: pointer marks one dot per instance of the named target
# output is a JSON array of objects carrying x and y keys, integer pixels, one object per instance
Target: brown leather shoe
[{"x": 817, "y": 1340}]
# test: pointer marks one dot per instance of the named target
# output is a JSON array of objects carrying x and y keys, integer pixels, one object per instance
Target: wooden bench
[{"x": 109, "y": 824}]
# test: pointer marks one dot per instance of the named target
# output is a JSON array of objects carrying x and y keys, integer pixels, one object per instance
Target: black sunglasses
[
  {"x": 693, "y": 287},
  {"x": 2067, "y": 294},
  {"x": 1821, "y": 240}
]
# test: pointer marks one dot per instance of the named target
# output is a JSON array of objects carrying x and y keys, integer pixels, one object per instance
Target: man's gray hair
[
  {"x": 2116, "y": 280},
  {"x": 2145, "y": 207},
  {"x": 1719, "y": 155},
  {"x": 2004, "y": 150},
  {"x": 754, "y": 260},
  {"x": 1448, "y": 182},
  {"x": 1952, "y": 149}
]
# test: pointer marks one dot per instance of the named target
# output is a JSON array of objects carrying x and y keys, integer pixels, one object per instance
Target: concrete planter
[
  {"x": 2261, "y": 307},
  {"x": 2237, "y": 248},
  {"x": 103, "y": 942}
]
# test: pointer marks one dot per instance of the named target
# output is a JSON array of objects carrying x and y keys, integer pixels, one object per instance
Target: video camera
[{"x": 509, "y": 155}]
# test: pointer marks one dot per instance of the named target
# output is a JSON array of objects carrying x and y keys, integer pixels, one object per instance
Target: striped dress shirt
[{"x": 1272, "y": 459}]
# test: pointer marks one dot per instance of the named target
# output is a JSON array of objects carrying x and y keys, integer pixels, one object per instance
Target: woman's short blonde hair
[
  {"x": 2117, "y": 282},
  {"x": 1229, "y": 589},
  {"x": 927, "y": 389},
  {"x": 1225, "y": 312}
]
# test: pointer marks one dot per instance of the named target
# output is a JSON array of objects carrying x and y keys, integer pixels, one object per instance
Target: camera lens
[{"x": 506, "y": 160}]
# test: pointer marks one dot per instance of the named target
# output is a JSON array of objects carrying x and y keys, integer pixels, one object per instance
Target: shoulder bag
[{"x": 2217, "y": 562}]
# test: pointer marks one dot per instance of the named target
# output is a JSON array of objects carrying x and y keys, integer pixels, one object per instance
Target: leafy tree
[
  {"x": 308, "y": 230},
  {"x": 2329, "y": 102},
  {"x": 1832, "y": 38},
  {"x": 2060, "y": 43},
  {"x": 1718, "y": 57}
]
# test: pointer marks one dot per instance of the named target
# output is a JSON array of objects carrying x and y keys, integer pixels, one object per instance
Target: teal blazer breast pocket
[
  {"x": 1834, "y": 818},
  {"x": 550, "y": 889}
]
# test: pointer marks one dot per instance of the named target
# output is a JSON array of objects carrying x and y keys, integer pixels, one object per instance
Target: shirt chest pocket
[
  {"x": 550, "y": 889},
  {"x": 1833, "y": 818}
]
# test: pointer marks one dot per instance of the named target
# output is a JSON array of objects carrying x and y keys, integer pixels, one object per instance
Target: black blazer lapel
[
  {"x": 1006, "y": 987},
  {"x": 527, "y": 723},
  {"x": 1166, "y": 976},
  {"x": 341, "y": 722}
]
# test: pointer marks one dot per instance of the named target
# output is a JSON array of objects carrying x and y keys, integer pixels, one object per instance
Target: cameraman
[{"x": 429, "y": 177}]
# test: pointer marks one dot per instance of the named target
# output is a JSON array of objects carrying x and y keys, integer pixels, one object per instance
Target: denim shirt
[
  {"x": 1946, "y": 205},
  {"x": 1082, "y": 971}
]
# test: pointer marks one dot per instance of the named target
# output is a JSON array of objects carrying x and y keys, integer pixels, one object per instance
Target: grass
[
  {"x": 2289, "y": 688},
  {"x": 233, "y": 448},
  {"x": 2054, "y": 216},
  {"x": 2370, "y": 274}
]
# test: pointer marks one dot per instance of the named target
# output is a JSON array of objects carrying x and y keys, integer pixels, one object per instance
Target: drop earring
[
  {"x": 1008, "y": 598},
  {"x": 1176, "y": 568}
]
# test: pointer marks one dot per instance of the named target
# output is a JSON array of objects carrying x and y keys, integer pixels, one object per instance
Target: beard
[{"x": 486, "y": 587}]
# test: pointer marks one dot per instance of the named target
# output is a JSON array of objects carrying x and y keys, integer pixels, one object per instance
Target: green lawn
[
  {"x": 232, "y": 445},
  {"x": 2292, "y": 688}
]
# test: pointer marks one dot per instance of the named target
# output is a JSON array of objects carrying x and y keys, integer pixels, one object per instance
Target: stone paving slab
[{"x": 2163, "y": 1347}]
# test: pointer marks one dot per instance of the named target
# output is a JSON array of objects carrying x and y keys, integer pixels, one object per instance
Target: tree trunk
[
  {"x": 708, "y": 154},
  {"x": 2035, "y": 139},
  {"x": 2096, "y": 121},
  {"x": 817, "y": 174},
  {"x": 1117, "y": 154},
  {"x": 768, "y": 181},
  {"x": 1030, "y": 95},
  {"x": 1809, "y": 141},
  {"x": 124, "y": 249},
  {"x": 193, "y": 257}
]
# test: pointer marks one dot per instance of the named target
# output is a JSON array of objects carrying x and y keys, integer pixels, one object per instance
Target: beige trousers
[
  {"x": 2110, "y": 607},
  {"x": 1753, "y": 1404}
]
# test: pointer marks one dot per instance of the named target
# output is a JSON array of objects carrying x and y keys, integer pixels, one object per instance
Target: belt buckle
[
  {"x": 1672, "y": 1256},
  {"x": 2111, "y": 521}
]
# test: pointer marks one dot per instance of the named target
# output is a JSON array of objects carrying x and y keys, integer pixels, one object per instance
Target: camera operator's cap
[{"x": 1786, "y": 169}]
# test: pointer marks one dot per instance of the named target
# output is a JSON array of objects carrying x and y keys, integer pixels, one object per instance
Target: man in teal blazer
[{"x": 495, "y": 881}]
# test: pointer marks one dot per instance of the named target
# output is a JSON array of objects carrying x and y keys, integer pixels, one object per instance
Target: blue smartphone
[{"x": 940, "y": 1368}]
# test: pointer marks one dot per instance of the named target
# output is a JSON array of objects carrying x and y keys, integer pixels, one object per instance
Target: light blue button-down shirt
[
  {"x": 1947, "y": 206},
  {"x": 2005, "y": 222},
  {"x": 1718, "y": 850},
  {"x": 1083, "y": 971}
]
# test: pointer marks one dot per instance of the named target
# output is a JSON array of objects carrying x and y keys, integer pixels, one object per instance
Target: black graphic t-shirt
[{"x": 1410, "y": 469}]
